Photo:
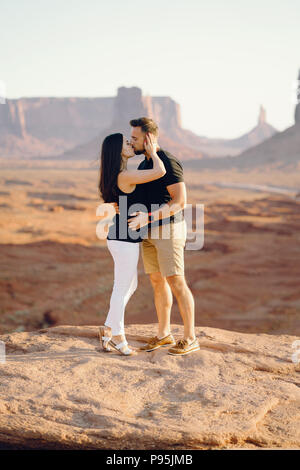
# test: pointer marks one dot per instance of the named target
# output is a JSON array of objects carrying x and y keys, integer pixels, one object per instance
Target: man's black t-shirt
[{"x": 155, "y": 192}]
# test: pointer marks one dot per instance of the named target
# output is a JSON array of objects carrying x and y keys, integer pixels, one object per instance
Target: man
[{"x": 163, "y": 257}]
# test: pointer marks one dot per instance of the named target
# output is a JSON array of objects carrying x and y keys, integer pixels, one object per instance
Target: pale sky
[{"x": 219, "y": 59}]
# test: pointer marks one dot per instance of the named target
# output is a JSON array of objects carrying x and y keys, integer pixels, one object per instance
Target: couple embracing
[{"x": 161, "y": 233}]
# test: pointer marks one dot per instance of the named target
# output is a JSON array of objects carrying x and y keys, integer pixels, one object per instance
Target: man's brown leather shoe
[{"x": 155, "y": 343}]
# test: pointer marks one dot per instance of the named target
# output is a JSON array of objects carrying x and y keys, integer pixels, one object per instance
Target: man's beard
[{"x": 139, "y": 152}]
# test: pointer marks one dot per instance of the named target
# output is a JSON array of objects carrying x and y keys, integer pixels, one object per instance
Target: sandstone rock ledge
[{"x": 58, "y": 390}]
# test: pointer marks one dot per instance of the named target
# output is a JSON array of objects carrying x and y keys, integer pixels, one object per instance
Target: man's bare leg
[
  {"x": 186, "y": 303},
  {"x": 163, "y": 300}
]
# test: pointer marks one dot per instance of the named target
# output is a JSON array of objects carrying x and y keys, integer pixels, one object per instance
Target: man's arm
[{"x": 177, "y": 192}]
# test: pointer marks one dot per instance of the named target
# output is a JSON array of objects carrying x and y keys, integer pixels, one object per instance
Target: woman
[{"x": 115, "y": 181}]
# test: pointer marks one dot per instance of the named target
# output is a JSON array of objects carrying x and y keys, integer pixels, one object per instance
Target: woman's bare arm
[{"x": 143, "y": 176}]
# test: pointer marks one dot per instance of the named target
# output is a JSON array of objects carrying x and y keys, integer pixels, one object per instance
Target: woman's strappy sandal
[
  {"x": 104, "y": 340},
  {"x": 118, "y": 347}
]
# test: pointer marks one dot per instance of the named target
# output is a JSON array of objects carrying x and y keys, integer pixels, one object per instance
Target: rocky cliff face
[
  {"x": 47, "y": 126},
  {"x": 75, "y": 127},
  {"x": 183, "y": 143},
  {"x": 12, "y": 118},
  {"x": 67, "y": 118},
  {"x": 262, "y": 115},
  {"x": 222, "y": 147},
  {"x": 129, "y": 104},
  {"x": 167, "y": 113},
  {"x": 77, "y": 120}
]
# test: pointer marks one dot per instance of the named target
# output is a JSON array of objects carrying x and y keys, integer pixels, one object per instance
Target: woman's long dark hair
[{"x": 110, "y": 166}]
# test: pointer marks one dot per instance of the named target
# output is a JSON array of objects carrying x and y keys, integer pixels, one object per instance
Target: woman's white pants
[{"x": 125, "y": 256}]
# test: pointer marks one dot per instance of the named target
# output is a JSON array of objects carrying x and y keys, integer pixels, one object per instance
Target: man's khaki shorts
[{"x": 163, "y": 249}]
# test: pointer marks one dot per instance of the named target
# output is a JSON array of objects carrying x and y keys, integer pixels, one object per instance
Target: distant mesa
[
  {"x": 276, "y": 150},
  {"x": 279, "y": 152},
  {"x": 74, "y": 128}
]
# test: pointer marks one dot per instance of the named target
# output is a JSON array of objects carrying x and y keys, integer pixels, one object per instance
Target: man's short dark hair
[{"x": 146, "y": 124}]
